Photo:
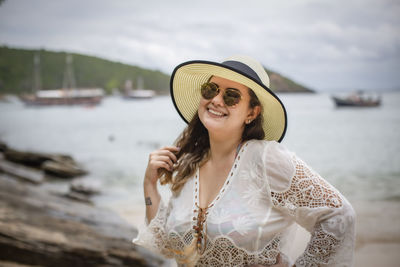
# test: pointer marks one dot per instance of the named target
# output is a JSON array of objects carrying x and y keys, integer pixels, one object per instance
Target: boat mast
[
  {"x": 139, "y": 83},
  {"x": 37, "y": 81},
  {"x": 69, "y": 78}
]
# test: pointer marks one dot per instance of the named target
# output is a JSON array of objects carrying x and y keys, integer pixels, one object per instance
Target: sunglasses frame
[{"x": 225, "y": 97}]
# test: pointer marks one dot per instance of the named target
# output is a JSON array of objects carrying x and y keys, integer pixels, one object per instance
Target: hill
[
  {"x": 281, "y": 84},
  {"x": 16, "y": 73}
]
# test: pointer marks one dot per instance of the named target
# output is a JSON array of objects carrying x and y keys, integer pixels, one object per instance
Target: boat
[
  {"x": 68, "y": 95},
  {"x": 357, "y": 99},
  {"x": 81, "y": 96},
  {"x": 139, "y": 92}
]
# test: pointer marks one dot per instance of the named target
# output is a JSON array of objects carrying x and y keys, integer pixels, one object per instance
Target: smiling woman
[{"x": 238, "y": 192}]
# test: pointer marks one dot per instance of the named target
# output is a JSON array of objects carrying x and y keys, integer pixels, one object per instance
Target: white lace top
[{"x": 249, "y": 222}]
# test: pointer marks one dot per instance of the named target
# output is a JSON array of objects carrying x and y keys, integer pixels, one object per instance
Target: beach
[{"x": 357, "y": 151}]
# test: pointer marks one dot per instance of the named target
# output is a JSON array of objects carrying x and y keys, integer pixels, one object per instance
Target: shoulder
[
  {"x": 268, "y": 148},
  {"x": 278, "y": 162}
]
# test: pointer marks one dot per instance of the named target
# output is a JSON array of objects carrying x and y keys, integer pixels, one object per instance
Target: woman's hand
[{"x": 161, "y": 158}]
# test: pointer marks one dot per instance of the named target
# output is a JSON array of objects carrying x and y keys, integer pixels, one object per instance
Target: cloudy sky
[{"x": 323, "y": 44}]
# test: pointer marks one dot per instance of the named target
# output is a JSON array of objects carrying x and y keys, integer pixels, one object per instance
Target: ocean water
[{"x": 356, "y": 150}]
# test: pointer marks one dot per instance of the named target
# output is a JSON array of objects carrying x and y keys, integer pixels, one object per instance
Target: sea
[{"x": 355, "y": 149}]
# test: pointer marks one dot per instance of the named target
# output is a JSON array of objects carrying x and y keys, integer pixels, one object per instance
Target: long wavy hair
[{"x": 194, "y": 146}]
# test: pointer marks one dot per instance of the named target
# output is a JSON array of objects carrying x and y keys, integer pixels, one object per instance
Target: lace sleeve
[
  {"x": 323, "y": 211},
  {"x": 152, "y": 235}
]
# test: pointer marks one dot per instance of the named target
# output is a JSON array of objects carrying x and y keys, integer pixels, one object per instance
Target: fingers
[
  {"x": 166, "y": 151},
  {"x": 171, "y": 148},
  {"x": 278, "y": 259},
  {"x": 162, "y": 164},
  {"x": 163, "y": 158},
  {"x": 167, "y": 160}
]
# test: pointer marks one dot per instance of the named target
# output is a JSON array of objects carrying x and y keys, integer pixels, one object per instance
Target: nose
[{"x": 218, "y": 99}]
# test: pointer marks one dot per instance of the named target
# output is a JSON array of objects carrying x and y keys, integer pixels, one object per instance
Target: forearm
[{"x": 152, "y": 200}]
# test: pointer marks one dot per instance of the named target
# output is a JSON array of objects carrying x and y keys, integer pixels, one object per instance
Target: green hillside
[
  {"x": 16, "y": 73},
  {"x": 282, "y": 84}
]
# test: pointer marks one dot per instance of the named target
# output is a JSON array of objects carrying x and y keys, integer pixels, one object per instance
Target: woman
[{"x": 237, "y": 192}]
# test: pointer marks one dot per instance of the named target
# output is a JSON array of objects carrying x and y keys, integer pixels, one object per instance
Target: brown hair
[{"x": 194, "y": 143}]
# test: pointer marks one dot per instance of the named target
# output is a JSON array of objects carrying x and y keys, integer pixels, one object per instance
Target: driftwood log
[{"x": 40, "y": 228}]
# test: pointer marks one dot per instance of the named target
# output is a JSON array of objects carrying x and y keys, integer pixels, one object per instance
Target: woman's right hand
[{"x": 161, "y": 158}]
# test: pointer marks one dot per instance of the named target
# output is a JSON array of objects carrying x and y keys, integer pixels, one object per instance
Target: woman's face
[{"x": 221, "y": 119}]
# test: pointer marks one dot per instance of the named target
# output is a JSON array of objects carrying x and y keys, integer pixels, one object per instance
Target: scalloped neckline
[{"x": 231, "y": 175}]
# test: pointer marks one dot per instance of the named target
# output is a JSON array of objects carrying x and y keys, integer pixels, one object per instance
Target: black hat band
[{"x": 243, "y": 68}]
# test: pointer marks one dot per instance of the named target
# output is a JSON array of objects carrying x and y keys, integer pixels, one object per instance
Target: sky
[{"x": 326, "y": 45}]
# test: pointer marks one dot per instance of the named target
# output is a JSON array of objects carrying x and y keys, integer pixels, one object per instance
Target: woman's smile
[{"x": 215, "y": 113}]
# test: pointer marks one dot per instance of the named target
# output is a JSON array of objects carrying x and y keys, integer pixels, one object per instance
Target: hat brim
[{"x": 188, "y": 77}]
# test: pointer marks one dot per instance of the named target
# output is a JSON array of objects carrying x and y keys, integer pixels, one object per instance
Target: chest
[
  {"x": 210, "y": 180},
  {"x": 238, "y": 204}
]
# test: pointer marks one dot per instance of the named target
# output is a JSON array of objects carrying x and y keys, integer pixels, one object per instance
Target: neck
[{"x": 223, "y": 148}]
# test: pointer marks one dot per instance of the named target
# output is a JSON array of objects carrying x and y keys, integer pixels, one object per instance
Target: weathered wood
[
  {"x": 28, "y": 174},
  {"x": 40, "y": 228}
]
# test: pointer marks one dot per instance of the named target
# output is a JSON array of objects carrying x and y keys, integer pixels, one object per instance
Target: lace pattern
[
  {"x": 153, "y": 235},
  {"x": 320, "y": 248},
  {"x": 309, "y": 190},
  {"x": 221, "y": 252}
]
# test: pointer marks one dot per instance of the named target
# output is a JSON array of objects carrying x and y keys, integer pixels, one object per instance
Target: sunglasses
[{"x": 231, "y": 96}]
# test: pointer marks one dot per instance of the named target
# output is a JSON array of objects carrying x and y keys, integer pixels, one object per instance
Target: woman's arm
[
  {"x": 313, "y": 203},
  {"x": 161, "y": 158},
  {"x": 152, "y": 235},
  {"x": 324, "y": 212}
]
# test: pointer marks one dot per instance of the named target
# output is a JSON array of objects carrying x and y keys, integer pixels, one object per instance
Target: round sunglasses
[{"x": 231, "y": 96}]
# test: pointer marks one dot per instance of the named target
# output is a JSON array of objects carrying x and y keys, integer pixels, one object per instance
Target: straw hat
[{"x": 188, "y": 77}]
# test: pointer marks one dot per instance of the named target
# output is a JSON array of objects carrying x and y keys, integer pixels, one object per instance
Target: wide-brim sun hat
[{"x": 187, "y": 78}]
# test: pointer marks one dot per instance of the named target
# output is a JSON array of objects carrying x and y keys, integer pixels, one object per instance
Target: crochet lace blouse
[{"x": 249, "y": 222}]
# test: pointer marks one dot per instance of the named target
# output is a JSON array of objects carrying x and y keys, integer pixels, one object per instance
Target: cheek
[{"x": 202, "y": 105}]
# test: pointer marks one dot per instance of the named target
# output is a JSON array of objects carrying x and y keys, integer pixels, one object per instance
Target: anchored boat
[
  {"x": 358, "y": 99},
  {"x": 68, "y": 95}
]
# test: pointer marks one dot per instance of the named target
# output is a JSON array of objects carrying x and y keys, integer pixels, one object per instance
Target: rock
[
  {"x": 28, "y": 174},
  {"x": 62, "y": 169},
  {"x": 85, "y": 186},
  {"x": 43, "y": 229},
  {"x": 78, "y": 197},
  {"x": 28, "y": 158},
  {"x": 3, "y": 147},
  {"x": 53, "y": 164}
]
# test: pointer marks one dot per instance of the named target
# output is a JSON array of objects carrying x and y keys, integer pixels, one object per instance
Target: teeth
[{"x": 215, "y": 112}]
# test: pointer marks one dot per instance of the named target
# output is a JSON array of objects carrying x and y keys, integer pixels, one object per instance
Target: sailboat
[
  {"x": 139, "y": 92},
  {"x": 68, "y": 95}
]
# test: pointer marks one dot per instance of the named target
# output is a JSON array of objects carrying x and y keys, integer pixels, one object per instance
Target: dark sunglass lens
[
  {"x": 209, "y": 90},
  {"x": 231, "y": 97}
]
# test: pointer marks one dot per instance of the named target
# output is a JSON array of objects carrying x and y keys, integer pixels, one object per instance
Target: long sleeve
[
  {"x": 152, "y": 235},
  {"x": 314, "y": 204}
]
